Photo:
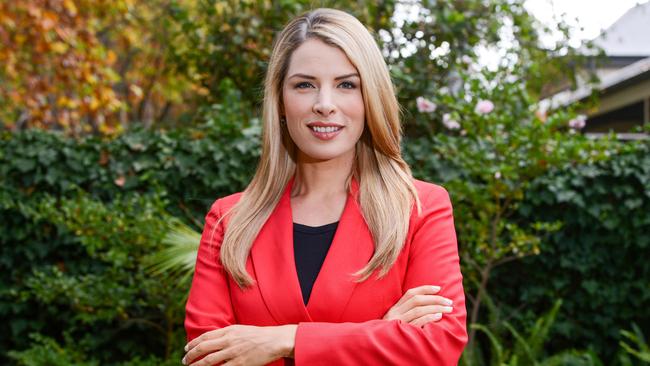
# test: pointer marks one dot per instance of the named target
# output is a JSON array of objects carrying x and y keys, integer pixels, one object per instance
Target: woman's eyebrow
[{"x": 310, "y": 77}]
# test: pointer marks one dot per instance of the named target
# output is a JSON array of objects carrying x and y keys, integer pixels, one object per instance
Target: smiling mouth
[{"x": 328, "y": 129}]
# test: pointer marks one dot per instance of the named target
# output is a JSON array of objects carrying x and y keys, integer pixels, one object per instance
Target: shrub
[{"x": 598, "y": 262}]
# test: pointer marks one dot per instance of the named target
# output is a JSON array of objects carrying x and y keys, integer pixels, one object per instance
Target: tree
[{"x": 86, "y": 66}]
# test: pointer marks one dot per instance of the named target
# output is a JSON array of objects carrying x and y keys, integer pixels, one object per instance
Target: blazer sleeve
[
  {"x": 433, "y": 260},
  {"x": 208, "y": 306}
]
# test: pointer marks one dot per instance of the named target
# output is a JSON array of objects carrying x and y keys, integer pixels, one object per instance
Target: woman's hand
[
  {"x": 419, "y": 306},
  {"x": 241, "y": 345}
]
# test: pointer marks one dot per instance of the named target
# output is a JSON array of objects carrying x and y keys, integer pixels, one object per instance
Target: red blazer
[{"x": 342, "y": 322}]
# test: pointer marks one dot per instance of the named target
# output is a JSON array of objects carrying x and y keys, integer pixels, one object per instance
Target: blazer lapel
[
  {"x": 275, "y": 268},
  {"x": 351, "y": 249}
]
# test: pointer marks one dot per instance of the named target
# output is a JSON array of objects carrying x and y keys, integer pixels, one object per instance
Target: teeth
[{"x": 325, "y": 129}]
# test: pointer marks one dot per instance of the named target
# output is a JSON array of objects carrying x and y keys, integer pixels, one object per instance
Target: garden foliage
[
  {"x": 597, "y": 262},
  {"x": 80, "y": 219},
  {"x": 542, "y": 213}
]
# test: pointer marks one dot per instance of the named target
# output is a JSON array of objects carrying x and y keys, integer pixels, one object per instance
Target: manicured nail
[
  {"x": 447, "y": 309},
  {"x": 448, "y": 302},
  {"x": 186, "y": 347},
  {"x": 437, "y": 316},
  {"x": 184, "y": 362},
  {"x": 435, "y": 288}
]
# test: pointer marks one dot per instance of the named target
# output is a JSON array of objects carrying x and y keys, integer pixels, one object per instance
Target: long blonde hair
[{"x": 386, "y": 191}]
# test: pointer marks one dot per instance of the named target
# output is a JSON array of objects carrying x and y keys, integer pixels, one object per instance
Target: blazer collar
[{"x": 275, "y": 269}]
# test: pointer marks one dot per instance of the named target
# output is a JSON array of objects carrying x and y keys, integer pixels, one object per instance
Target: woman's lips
[{"x": 325, "y": 133}]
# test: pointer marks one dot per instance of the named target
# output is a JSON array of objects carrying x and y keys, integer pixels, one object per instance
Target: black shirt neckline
[{"x": 315, "y": 229}]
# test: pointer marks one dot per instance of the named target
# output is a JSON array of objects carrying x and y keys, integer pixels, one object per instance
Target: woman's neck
[{"x": 323, "y": 178}]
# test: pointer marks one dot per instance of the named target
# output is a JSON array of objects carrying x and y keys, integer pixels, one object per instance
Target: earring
[{"x": 283, "y": 121}]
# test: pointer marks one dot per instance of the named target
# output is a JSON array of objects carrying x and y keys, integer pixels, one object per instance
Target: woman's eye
[
  {"x": 303, "y": 85},
  {"x": 344, "y": 85}
]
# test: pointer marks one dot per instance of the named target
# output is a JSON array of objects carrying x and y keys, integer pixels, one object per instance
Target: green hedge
[
  {"x": 191, "y": 165},
  {"x": 87, "y": 286},
  {"x": 78, "y": 219},
  {"x": 597, "y": 263}
]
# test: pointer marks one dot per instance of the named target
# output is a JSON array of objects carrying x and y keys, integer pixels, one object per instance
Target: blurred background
[{"x": 122, "y": 121}]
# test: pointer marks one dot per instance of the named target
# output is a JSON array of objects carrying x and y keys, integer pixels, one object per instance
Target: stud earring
[{"x": 283, "y": 121}]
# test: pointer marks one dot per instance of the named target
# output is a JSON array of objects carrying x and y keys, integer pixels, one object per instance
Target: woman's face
[{"x": 323, "y": 104}]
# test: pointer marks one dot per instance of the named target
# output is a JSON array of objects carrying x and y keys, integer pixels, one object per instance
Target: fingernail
[
  {"x": 184, "y": 362},
  {"x": 435, "y": 288},
  {"x": 437, "y": 316},
  {"x": 447, "y": 308},
  {"x": 447, "y": 302},
  {"x": 186, "y": 347}
]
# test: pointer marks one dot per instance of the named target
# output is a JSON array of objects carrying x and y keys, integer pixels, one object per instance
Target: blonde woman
[{"x": 334, "y": 254}]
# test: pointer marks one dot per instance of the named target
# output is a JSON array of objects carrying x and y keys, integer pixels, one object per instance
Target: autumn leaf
[{"x": 70, "y": 7}]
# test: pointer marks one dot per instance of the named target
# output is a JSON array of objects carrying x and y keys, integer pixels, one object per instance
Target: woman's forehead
[{"x": 319, "y": 60}]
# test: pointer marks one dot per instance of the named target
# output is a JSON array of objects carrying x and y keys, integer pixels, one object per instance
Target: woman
[{"x": 331, "y": 197}]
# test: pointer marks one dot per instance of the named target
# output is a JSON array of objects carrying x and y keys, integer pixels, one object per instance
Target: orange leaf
[
  {"x": 34, "y": 11},
  {"x": 110, "y": 57},
  {"x": 70, "y": 7},
  {"x": 136, "y": 90},
  {"x": 62, "y": 101},
  {"x": 104, "y": 157},
  {"x": 94, "y": 104},
  {"x": 49, "y": 20},
  {"x": 59, "y": 47}
]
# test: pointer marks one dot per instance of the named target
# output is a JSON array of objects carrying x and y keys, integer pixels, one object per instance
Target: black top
[{"x": 310, "y": 246}]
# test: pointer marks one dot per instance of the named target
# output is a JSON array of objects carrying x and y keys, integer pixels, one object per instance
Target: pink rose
[
  {"x": 425, "y": 105},
  {"x": 450, "y": 123},
  {"x": 119, "y": 181},
  {"x": 484, "y": 107},
  {"x": 578, "y": 123}
]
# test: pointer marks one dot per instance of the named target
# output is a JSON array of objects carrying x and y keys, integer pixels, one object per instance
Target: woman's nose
[{"x": 324, "y": 104}]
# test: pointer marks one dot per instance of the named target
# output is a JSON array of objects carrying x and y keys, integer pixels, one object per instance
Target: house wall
[{"x": 631, "y": 94}]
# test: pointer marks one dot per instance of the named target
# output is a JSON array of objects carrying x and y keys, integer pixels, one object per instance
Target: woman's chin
[{"x": 318, "y": 155}]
